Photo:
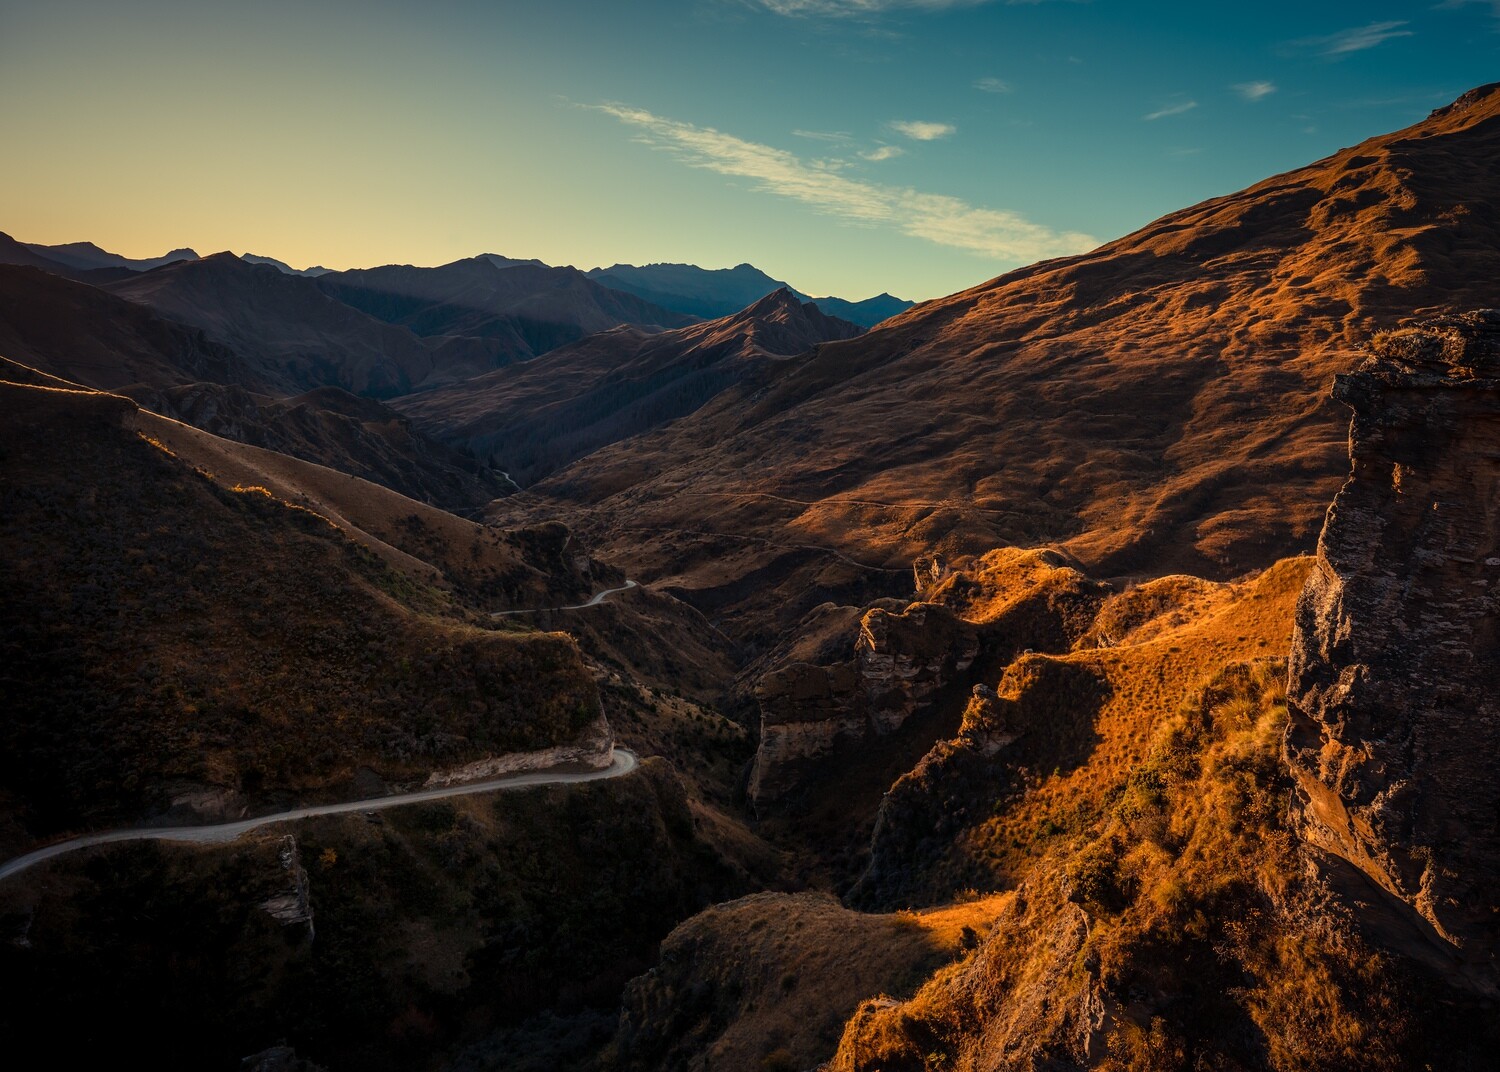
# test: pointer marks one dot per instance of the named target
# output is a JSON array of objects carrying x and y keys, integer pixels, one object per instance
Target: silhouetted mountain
[
  {"x": 282, "y": 266},
  {"x": 869, "y": 312},
  {"x": 85, "y": 256},
  {"x": 13, "y": 252},
  {"x": 716, "y": 292},
  {"x": 536, "y": 416},
  {"x": 293, "y": 334},
  {"x": 522, "y": 309}
]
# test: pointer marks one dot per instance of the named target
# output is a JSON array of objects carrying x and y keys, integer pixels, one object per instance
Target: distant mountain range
[
  {"x": 85, "y": 256},
  {"x": 538, "y": 415},
  {"x": 712, "y": 293},
  {"x": 510, "y": 310},
  {"x": 249, "y": 348}
]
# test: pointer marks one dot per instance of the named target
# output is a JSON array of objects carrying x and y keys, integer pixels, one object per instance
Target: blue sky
[{"x": 847, "y": 146}]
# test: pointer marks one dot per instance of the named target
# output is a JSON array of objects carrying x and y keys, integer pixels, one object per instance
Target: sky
[{"x": 848, "y": 147}]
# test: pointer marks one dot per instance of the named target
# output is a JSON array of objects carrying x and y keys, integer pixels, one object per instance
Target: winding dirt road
[
  {"x": 623, "y": 763},
  {"x": 599, "y": 597}
]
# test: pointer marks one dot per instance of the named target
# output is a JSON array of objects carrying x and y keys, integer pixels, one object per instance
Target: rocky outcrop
[
  {"x": 1007, "y": 602},
  {"x": 594, "y": 749},
  {"x": 901, "y": 659},
  {"x": 1395, "y": 719},
  {"x": 293, "y": 904}
]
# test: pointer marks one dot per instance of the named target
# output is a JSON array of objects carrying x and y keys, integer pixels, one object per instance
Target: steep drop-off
[{"x": 1395, "y": 724}]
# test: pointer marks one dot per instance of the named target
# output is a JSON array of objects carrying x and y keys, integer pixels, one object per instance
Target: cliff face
[
  {"x": 1395, "y": 720},
  {"x": 900, "y": 660}
]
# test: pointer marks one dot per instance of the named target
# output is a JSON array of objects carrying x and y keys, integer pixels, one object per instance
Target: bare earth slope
[
  {"x": 536, "y": 416},
  {"x": 1156, "y": 405}
]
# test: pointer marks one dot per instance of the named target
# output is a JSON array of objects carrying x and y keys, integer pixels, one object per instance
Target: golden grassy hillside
[
  {"x": 1157, "y": 405},
  {"x": 1182, "y": 927},
  {"x": 1081, "y": 722}
]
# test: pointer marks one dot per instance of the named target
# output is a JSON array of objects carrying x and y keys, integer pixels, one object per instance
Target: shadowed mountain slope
[
  {"x": 296, "y": 337},
  {"x": 88, "y": 336},
  {"x": 716, "y": 292},
  {"x": 282, "y": 266},
  {"x": 536, "y": 416},
  {"x": 329, "y": 426},
  {"x": 520, "y": 308},
  {"x": 194, "y": 621},
  {"x": 1156, "y": 405}
]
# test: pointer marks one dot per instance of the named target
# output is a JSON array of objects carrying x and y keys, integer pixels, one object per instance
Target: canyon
[{"x": 1090, "y": 669}]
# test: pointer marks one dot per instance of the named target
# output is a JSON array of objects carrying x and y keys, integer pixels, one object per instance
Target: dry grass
[{"x": 1179, "y": 929}]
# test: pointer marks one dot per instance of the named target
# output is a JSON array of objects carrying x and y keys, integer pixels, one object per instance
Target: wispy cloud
[
  {"x": 1171, "y": 109},
  {"x": 825, "y": 135},
  {"x": 991, "y": 85},
  {"x": 884, "y": 152},
  {"x": 1354, "y": 40},
  {"x": 1254, "y": 91},
  {"x": 944, "y": 220},
  {"x": 847, "y": 8},
  {"x": 854, "y": 8},
  {"x": 917, "y": 130}
]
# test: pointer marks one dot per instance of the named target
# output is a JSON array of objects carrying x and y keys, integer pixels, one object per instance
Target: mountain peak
[
  {"x": 782, "y": 298},
  {"x": 1474, "y": 96}
]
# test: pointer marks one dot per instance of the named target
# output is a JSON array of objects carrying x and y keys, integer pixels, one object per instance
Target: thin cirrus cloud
[
  {"x": 938, "y": 218},
  {"x": 1336, "y": 45},
  {"x": 1171, "y": 109},
  {"x": 917, "y": 130},
  {"x": 849, "y": 8},
  {"x": 825, "y": 135},
  {"x": 991, "y": 85},
  {"x": 884, "y": 152},
  {"x": 1254, "y": 91}
]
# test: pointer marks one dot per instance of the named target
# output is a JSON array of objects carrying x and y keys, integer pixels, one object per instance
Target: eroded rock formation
[
  {"x": 900, "y": 660},
  {"x": 1395, "y": 717},
  {"x": 816, "y": 698}
]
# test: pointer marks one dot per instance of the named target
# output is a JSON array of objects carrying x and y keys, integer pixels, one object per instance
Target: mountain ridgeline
[
  {"x": 1155, "y": 405},
  {"x": 712, "y": 293},
  {"x": 1007, "y": 694},
  {"x": 538, "y": 416}
]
